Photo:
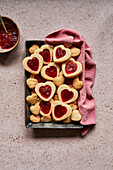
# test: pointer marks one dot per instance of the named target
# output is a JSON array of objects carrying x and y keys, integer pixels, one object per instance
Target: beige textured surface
[{"x": 25, "y": 149}]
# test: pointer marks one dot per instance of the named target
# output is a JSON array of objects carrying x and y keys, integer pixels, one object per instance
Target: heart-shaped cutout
[
  {"x": 50, "y": 71},
  {"x": 71, "y": 68},
  {"x": 67, "y": 94},
  {"x": 46, "y": 52},
  {"x": 60, "y": 111},
  {"x": 61, "y": 54},
  {"x": 77, "y": 84},
  {"x": 45, "y": 107},
  {"x": 45, "y": 90},
  {"x": 33, "y": 64}
]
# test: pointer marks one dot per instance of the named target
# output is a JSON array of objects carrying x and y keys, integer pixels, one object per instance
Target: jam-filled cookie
[
  {"x": 46, "y": 52},
  {"x": 45, "y": 107},
  {"x": 61, "y": 54},
  {"x": 67, "y": 94},
  {"x": 60, "y": 111},
  {"x": 45, "y": 90},
  {"x": 72, "y": 68},
  {"x": 33, "y": 64},
  {"x": 50, "y": 71}
]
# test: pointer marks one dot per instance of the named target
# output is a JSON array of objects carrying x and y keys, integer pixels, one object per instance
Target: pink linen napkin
[{"x": 86, "y": 103}]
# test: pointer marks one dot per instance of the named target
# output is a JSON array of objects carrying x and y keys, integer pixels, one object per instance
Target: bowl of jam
[{"x": 8, "y": 41}]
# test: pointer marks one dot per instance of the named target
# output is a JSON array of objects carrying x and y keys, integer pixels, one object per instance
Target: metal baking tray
[{"x": 28, "y": 123}]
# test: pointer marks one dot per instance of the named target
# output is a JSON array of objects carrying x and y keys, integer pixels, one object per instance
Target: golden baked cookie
[
  {"x": 31, "y": 82},
  {"x": 35, "y": 118},
  {"x": 32, "y": 98},
  {"x": 35, "y": 109},
  {"x": 76, "y": 116},
  {"x": 33, "y": 48},
  {"x": 77, "y": 84},
  {"x": 46, "y": 118},
  {"x": 74, "y": 51}
]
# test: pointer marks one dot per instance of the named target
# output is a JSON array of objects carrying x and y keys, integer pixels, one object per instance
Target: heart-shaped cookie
[
  {"x": 50, "y": 71},
  {"x": 38, "y": 77},
  {"x": 76, "y": 116},
  {"x": 77, "y": 84},
  {"x": 72, "y": 68},
  {"x": 67, "y": 94},
  {"x": 33, "y": 64},
  {"x": 45, "y": 107},
  {"x": 60, "y": 111},
  {"x": 45, "y": 90},
  {"x": 61, "y": 54},
  {"x": 31, "y": 82},
  {"x": 46, "y": 52},
  {"x": 75, "y": 51}
]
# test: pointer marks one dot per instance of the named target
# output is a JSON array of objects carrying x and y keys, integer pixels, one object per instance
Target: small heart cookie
[
  {"x": 33, "y": 48},
  {"x": 31, "y": 82},
  {"x": 50, "y": 71},
  {"x": 45, "y": 107},
  {"x": 60, "y": 111},
  {"x": 74, "y": 51},
  {"x": 76, "y": 116},
  {"x": 35, "y": 109},
  {"x": 77, "y": 84},
  {"x": 38, "y": 77},
  {"x": 45, "y": 90},
  {"x": 33, "y": 64},
  {"x": 72, "y": 68},
  {"x": 46, "y": 118},
  {"x": 35, "y": 118},
  {"x": 46, "y": 52},
  {"x": 59, "y": 80},
  {"x": 61, "y": 54},
  {"x": 67, "y": 94},
  {"x": 32, "y": 98}
]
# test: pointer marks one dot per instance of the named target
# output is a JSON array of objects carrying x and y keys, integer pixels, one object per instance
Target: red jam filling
[
  {"x": 68, "y": 81},
  {"x": 45, "y": 91},
  {"x": 45, "y": 107},
  {"x": 46, "y": 55},
  {"x": 71, "y": 67},
  {"x": 51, "y": 71},
  {"x": 39, "y": 78},
  {"x": 8, "y": 40},
  {"x": 33, "y": 64},
  {"x": 66, "y": 95},
  {"x": 60, "y": 111},
  {"x": 60, "y": 53}
]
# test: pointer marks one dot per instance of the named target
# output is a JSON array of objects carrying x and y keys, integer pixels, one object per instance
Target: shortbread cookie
[
  {"x": 46, "y": 118},
  {"x": 76, "y": 116},
  {"x": 35, "y": 118},
  {"x": 38, "y": 77},
  {"x": 32, "y": 98},
  {"x": 33, "y": 64},
  {"x": 75, "y": 51},
  {"x": 33, "y": 48},
  {"x": 59, "y": 80},
  {"x": 67, "y": 94},
  {"x": 77, "y": 84},
  {"x": 35, "y": 109},
  {"x": 45, "y": 107},
  {"x": 50, "y": 71},
  {"x": 72, "y": 68},
  {"x": 61, "y": 54},
  {"x": 60, "y": 111},
  {"x": 45, "y": 90},
  {"x": 46, "y": 52},
  {"x": 31, "y": 82}
]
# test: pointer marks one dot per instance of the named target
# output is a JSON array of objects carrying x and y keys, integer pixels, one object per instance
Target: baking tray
[{"x": 28, "y": 123}]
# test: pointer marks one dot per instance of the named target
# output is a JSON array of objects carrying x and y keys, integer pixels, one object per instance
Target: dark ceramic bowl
[{"x": 10, "y": 24}]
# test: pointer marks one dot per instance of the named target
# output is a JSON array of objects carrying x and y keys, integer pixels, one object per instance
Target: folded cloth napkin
[{"x": 86, "y": 103}]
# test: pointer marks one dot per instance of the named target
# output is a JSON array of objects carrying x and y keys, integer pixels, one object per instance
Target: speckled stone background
[{"x": 27, "y": 149}]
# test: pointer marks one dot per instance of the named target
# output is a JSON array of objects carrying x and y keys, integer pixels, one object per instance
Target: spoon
[{"x": 4, "y": 25}]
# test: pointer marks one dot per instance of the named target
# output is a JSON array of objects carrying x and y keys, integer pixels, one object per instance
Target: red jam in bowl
[
  {"x": 51, "y": 71},
  {"x": 45, "y": 91},
  {"x": 46, "y": 55},
  {"x": 71, "y": 67},
  {"x": 8, "y": 40},
  {"x": 60, "y": 53},
  {"x": 60, "y": 111},
  {"x": 66, "y": 95},
  {"x": 33, "y": 64},
  {"x": 45, "y": 107}
]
